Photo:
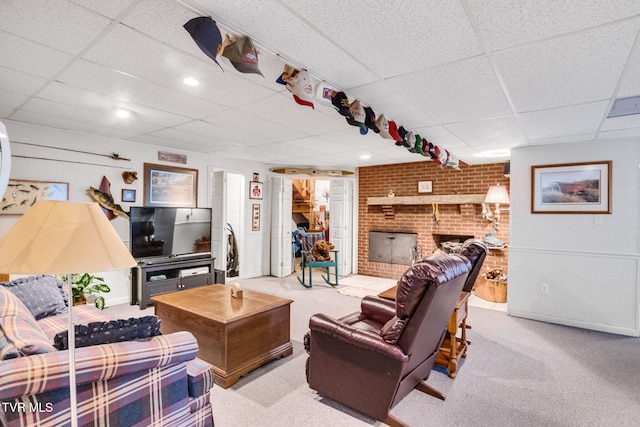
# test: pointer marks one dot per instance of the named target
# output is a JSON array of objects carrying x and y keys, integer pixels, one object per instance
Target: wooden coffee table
[{"x": 234, "y": 335}]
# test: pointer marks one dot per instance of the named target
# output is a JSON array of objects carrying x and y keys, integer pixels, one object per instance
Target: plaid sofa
[{"x": 156, "y": 382}]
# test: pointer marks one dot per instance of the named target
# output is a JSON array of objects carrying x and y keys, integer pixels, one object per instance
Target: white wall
[
  {"x": 83, "y": 170},
  {"x": 591, "y": 269}
]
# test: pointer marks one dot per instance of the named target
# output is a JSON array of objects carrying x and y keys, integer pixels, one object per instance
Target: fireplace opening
[{"x": 393, "y": 247}]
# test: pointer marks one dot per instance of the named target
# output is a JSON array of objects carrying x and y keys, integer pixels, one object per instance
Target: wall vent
[{"x": 625, "y": 107}]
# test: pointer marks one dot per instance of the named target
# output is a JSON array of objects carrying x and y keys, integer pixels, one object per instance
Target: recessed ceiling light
[
  {"x": 123, "y": 114},
  {"x": 365, "y": 156},
  {"x": 190, "y": 81}
]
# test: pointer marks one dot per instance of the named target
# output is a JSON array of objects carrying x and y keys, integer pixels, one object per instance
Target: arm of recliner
[
  {"x": 379, "y": 309},
  {"x": 321, "y": 323}
]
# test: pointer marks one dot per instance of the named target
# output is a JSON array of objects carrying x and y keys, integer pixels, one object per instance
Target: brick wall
[{"x": 376, "y": 181}]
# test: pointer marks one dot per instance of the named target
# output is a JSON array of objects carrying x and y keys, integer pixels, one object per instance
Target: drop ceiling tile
[
  {"x": 397, "y": 37},
  {"x": 271, "y": 154},
  {"x": 71, "y": 124},
  {"x": 470, "y": 156},
  {"x": 513, "y": 22},
  {"x": 222, "y": 133},
  {"x": 91, "y": 76},
  {"x": 630, "y": 85},
  {"x": 496, "y": 130},
  {"x": 440, "y": 135},
  {"x": 29, "y": 57},
  {"x": 623, "y": 133},
  {"x": 53, "y": 24},
  {"x": 583, "y": 137},
  {"x": 9, "y": 101},
  {"x": 386, "y": 100},
  {"x": 14, "y": 81},
  {"x": 291, "y": 37},
  {"x": 623, "y": 122},
  {"x": 163, "y": 20},
  {"x": 95, "y": 119},
  {"x": 255, "y": 126},
  {"x": 320, "y": 144},
  {"x": 395, "y": 154},
  {"x": 168, "y": 142},
  {"x": 282, "y": 109},
  {"x": 459, "y": 91},
  {"x": 131, "y": 52},
  {"x": 111, "y": 9},
  {"x": 351, "y": 139},
  {"x": 105, "y": 106},
  {"x": 576, "y": 119},
  {"x": 209, "y": 141},
  {"x": 573, "y": 69}
]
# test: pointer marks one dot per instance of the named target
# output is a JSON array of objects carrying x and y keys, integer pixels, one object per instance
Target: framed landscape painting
[
  {"x": 170, "y": 186},
  {"x": 571, "y": 188}
]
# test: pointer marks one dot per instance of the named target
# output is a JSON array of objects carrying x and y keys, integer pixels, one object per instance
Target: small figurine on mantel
[{"x": 391, "y": 193}]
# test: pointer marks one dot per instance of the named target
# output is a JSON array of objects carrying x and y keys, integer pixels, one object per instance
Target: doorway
[
  {"x": 235, "y": 218},
  {"x": 310, "y": 205}
]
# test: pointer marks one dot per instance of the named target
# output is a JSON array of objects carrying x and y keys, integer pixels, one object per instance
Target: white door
[
  {"x": 218, "y": 219},
  {"x": 281, "y": 246},
  {"x": 341, "y": 222}
]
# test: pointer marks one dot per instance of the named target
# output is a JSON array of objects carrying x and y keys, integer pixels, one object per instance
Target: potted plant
[{"x": 87, "y": 284}]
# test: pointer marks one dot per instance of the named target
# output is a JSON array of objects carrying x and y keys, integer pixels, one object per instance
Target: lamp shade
[
  {"x": 497, "y": 194},
  {"x": 60, "y": 237}
]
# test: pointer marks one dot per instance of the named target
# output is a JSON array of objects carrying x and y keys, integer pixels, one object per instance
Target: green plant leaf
[
  {"x": 85, "y": 279},
  {"x": 103, "y": 288},
  {"x": 100, "y": 302}
]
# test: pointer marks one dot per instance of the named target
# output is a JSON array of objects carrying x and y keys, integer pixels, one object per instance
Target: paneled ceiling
[{"x": 475, "y": 77}]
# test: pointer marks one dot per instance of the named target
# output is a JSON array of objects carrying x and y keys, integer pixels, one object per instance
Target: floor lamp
[{"x": 60, "y": 237}]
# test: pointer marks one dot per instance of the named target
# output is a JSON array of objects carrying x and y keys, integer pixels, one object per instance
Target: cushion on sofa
[
  {"x": 43, "y": 295},
  {"x": 95, "y": 333},
  {"x": 20, "y": 327}
]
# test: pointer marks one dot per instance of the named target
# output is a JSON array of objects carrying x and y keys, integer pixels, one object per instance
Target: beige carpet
[{"x": 361, "y": 286}]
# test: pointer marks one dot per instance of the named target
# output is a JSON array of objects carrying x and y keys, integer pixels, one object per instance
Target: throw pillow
[
  {"x": 43, "y": 295},
  {"x": 392, "y": 330},
  {"x": 95, "y": 333},
  {"x": 20, "y": 327}
]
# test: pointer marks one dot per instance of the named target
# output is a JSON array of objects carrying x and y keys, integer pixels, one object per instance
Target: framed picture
[
  {"x": 573, "y": 188},
  {"x": 128, "y": 195},
  {"x": 255, "y": 217},
  {"x": 425, "y": 186},
  {"x": 170, "y": 186},
  {"x": 256, "y": 177},
  {"x": 22, "y": 194},
  {"x": 255, "y": 190}
]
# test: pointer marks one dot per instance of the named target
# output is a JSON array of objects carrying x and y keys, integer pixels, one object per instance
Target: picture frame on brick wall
[{"x": 425, "y": 186}]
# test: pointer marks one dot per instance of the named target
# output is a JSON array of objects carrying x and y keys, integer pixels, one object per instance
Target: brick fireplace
[{"x": 463, "y": 219}]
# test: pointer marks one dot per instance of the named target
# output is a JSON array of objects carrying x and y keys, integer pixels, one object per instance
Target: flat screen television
[{"x": 168, "y": 232}]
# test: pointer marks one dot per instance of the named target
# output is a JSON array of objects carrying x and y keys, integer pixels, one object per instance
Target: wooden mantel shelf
[{"x": 443, "y": 199}]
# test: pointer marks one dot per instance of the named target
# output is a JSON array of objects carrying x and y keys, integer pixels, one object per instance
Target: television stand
[{"x": 166, "y": 276}]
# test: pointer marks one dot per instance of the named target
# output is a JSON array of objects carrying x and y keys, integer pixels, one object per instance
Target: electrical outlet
[{"x": 544, "y": 288}]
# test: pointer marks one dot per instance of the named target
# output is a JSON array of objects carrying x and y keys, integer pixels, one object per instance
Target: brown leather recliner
[{"x": 371, "y": 360}]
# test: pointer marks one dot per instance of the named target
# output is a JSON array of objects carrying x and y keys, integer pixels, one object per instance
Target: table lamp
[
  {"x": 498, "y": 195},
  {"x": 60, "y": 237}
]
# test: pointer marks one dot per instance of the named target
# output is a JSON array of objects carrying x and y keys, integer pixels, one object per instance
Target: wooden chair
[{"x": 308, "y": 239}]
